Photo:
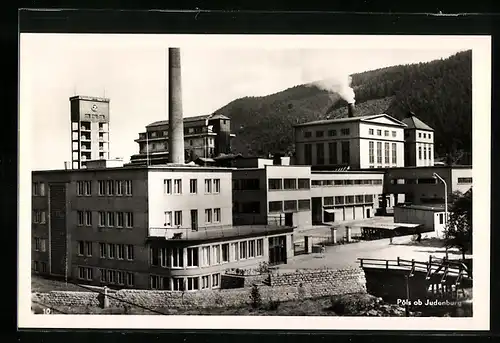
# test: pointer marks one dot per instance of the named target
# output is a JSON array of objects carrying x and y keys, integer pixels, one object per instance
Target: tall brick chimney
[
  {"x": 176, "y": 124},
  {"x": 350, "y": 110}
]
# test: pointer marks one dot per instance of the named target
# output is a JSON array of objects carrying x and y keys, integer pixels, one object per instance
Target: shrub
[
  {"x": 273, "y": 305},
  {"x": 255, "y": 298}
]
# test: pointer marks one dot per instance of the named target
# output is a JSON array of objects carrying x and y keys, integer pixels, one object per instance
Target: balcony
[
  {"x": 85, "y": 128},
  {"x": 85, "y": 148},
  {"x": 85, "y": 138}
]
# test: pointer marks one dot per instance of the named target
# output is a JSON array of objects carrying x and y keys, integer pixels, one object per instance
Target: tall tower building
[
  {"x": 419, "y": 142},
  {"x": 89, "y": 130}
]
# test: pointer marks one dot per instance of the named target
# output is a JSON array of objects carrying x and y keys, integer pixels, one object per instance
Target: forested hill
[{"x": 438, "y": 92}]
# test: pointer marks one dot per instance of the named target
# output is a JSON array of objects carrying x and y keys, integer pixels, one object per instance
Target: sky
[{"x": 130, "y": 70}]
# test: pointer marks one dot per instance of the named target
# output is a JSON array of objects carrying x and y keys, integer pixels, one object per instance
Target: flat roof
[
  {"x": 225, "y": 234},
  {"x": 90, "y": 98},
  {"x": 156, "y": 167},
  {"x": 434, "y": 207},
  {"x": 347, "y": 172},
  {"x": 383, "y": 226}
]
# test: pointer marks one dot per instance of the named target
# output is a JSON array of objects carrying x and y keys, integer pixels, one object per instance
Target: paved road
[{"x": 341, "y": 256}]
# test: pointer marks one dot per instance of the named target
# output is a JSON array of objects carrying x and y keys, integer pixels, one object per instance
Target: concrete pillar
[
  {"x": 175, "y": 118},
  {"x": 105, "y": 302},
  {"x": 333, "y": 231},
  {"x": 348, "y": 233},
  {"x": 308, "y": 244}
]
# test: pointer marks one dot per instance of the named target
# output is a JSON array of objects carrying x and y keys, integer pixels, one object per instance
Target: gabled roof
[
  {"x": 412, "y": 122},
  {"x": 190, "y": 119},
  {"x": 353, "y": 119}
]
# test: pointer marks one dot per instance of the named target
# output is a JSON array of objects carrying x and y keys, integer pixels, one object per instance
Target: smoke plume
[{"x": 341, "y": 86}]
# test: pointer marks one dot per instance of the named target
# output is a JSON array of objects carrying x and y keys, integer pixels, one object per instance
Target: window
[
  {"x": 234, "y": 252},
  {"x": 290, "y": 205},
  {"x": 119, "y": 219},
  {"x": 251, "y": 248},
  {"x": 332, "y": 133},
  {"x": 307, "y": 134},
  {"x": 167, "y": 184},
  {"x": 120, "y": 251},
  {"x": 111, "y": 219},
  {"x": 419, "y": 135},
  {"x": 102, "y": 250},
  {"x": 419, "y": 153},
  {"x": 154, "y": 282},
  {"x": 425, "y": 136},
  {"x": 386, "y": 156},
  {"x": 304, "y": 184},
  {"x": 119, "y": 187},
  {"x": 192, "y": 257},
  {"x": 308, "y": 154},
  {"x": 379, "y": 132},
  {"x": 154, "y": 255},
  {"x": 339, "y": 200},
  {"x": 345, "y": 152},
  {"x": 81, "y": 217},
  {"x": 130, "y": 279},
  {"x": 275, "y": 184},
  {"x": 441, "y": 218},
  {"x": 163, "y": 257},
  {"x": 215, "y": 280},
  {"x": 88, "y": 218},
  {"x": 216, "y": 254},
  {"x": 393, "y": 133},
  {"x": 129, "y": 219},
  {"x": 464, "y": 180},
  {"x": 225, "y": 252},
  {"x": 379, "y": 152},
  {"x": 429, "y": 135},
  {"x": 193, "y": 186},
  {"x": 120, "y": 278},
  {"x": 260, "y": 247},
  {"x": 371, "y": 148},
  {"x": 102, "y": 187},
  {"x": 332, "y": 150},
  {"x": 208, "y": 186},
  {"x": 328, "y": 201},
  {"x": 360, "y": 199},
  {"x": 205, "y": 256},
  {"x": 394, "y": 154},
  {"x": 370, "y": 132},
  {"x": 177, "y": 257},
  {"x": 386, "y": 133},
  {"x": 44, "y": 267},
  {"x": 368, "y": 198},
  {"x": 177, "y": 284},
  {"x": 344, "y": 132},
  {"x": 42, "y": 217},
  {"x": 88, "y": 248},
  {"x": 243, "y": 250},
  {"x": 290, "y": 184},
  {"x": 178, "y": 186},
  {"x": 42, "y": 189},
  {"x": 320, "y": 153},
  {"x": 168, "y": 218},
  {"x": 216, "y": 185},
  {"x": 81, "y": 248},
  {"x": 275, "y": 206},
  {"x": 192, "y": 283},
  {"x": 111, "y": 250},
  {"x": 38, "y": 244},
  {"x": 304, "y": 205},
  {"x": 35, "y": 266},
  {"x": 79, "y": 188},
  {"x": 217, "y": 215},
  {"x": 110, "y": 187},
  {"x": 208, "y": 215},
  {"x": 320, "y": 133},
  {"x": 102, "y": 218},
  {"x": 178, "y": 218},
  {"x": 350, "y": 199},
  {"x": 205, "y": 281},
  {"x": 128, "y": 187},
  {"x": 111, "y": 276},
  {"x": 103, "y": 275}
]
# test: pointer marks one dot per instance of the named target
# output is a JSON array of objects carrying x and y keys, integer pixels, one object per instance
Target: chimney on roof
[
  {"x": 176, "y": 124},
  {"x": 350, "y": 109},
  {"x": 410, "y": 114}
]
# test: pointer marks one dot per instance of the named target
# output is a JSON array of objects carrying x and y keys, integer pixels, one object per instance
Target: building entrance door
[
  {"x": 367, "y": 213},
  {"x": 288, "y": 219},
  {"x": 277, "y": 250},
  {"x": 194, "y": 220},
  {"x": 317, "y": 211}
]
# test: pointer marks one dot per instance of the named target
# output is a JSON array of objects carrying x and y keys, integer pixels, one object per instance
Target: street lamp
[{"x": 436, "y": 176}]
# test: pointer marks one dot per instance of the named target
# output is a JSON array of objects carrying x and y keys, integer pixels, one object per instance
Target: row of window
[
  {"x": 212, "y": 186},
  {"x": 40, "y": 244},
  {"x": 426, "y": 135},
  {"x": 207, "y": 255},
  {"x": 107, "y": 250},
  {"x": 157, "y": 282},
  {"x": 289, "y": 205},
  {"x": 109, "y": 219},
  {"x": 39, "y": 217},
  {"x": 107, "y": 276},
  {"x": 427, "y": 152},
  {"x": 39, "y": 267},
  {"x": 278, "y": 184},
  {"x": 389, "y": 154},
  {"x": 38, "y": 189},
  {"x": 464, "y": 180},
  {"x": 379, "y": 133},
  {"x": 345, "y": 154},
  {"x": 174, "y": 218},
  {"x": 330, "y": 133},
  {"x": 348, "y": 199},
  {"x": 318, "y": 183},
  {"x": 427, "y": 181},
  {"x": 105, "y": 187}
]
